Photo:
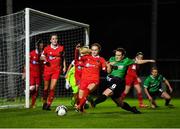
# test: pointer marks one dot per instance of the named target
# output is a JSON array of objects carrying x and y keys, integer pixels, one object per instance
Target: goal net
[{"x": 19, "y": 33}]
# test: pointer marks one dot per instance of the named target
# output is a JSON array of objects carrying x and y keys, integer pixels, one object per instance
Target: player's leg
[
  {"x": 32, "y": 88},
  {"x": 137, "y": 86},
  {"x": 86, "y": 92},
  {"x": 47, "y": 79},
  {"x": 54, "y": 79},
  {"x": 74, "y": 98},
  {"x": 34, "y": 96},
  {"x": 117, "y": 96},
  {"x": 107, "y": 92},
  {"x": 129, "y": 82},
  {"x": 51, "y": 93},
  {"x": 112, "y": 84},
  {"x": 153, "y": 103},
  {"x": 125, "y": 92},
  {"x": 167, "y": 98}
]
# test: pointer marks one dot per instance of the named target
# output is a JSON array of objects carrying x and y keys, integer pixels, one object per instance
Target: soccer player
[
  {"x": 74, "y": 72},
  {"x": 52, "y": 56},
  {"x": 132, "y": 79},
  {"x": 92, "y": 64},
  {"x": 153, "y": 88},
  {"x": 116, "y": 69},
  {"x": 35, "y": 72}
]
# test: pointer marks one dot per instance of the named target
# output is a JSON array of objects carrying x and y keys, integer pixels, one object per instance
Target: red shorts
[
  {"x": 51, "y": 75},
  {"x": 34, "y": 80},
  {"x": 131, "y": 80},
  {"x": 84, "y": 83}
]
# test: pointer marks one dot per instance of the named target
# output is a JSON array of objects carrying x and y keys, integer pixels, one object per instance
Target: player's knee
[{"x": 31, "y": 88}]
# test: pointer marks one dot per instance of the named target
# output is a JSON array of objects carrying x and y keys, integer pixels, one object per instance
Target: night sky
[
  {"x": 123, "y": 23},
  {"x": 117, "y": 23}
]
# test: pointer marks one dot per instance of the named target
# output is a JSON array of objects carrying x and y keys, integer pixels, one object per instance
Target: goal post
[{"x": 24, "y": 30}]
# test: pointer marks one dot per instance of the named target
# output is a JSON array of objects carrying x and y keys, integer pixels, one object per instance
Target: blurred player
[
  {"x": 92, "y": 65},
  {"x": 52, "y": 56},
  {"x": 132, "y": 79},
  {"x": 116, "y": 68},
  {"x": 153, "y": 88}
]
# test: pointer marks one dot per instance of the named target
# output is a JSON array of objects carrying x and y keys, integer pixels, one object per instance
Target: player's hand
[
  {"x": 153, "y": 61},
  {"x": 170, "y": 89},
  {"x": 139, "y": 80},
  {"x": 150, "y": 98},
  {"x": 64, "y": 70},
  {"x": 78, "y": 46},
  {"x": 67, "y": 85}
]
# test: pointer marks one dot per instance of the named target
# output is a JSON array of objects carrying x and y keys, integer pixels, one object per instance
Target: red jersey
[
  {"x": 92, "y": 66},
  {"x": 34, "y": 63},
  {"x": 78, "y": 70},
  {"x": 132, "y": 70},
  {"x": 53, "y": 56}
]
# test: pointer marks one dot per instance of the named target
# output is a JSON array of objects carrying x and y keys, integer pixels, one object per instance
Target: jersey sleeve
[
  {"x": 146, "y": 83},
  {"x": 129, "y": 61},
  {"x": 103, "y": 63}
]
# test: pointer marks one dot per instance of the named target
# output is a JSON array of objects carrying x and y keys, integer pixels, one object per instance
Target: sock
[
  {"x": 140, "y": 98},
  {"x": 167, "y": 102},
  {"x": 100, "y": 99},
  {"x": 45, "y": 95},
  {"x": 34, "y": 96},
  {"x": 83, "y": 99},
  {"x": 123, "y": 95},
  {"x": 73, "y": 101},
  {"x": 50, "y": 97},
  {"x": 126, "y": 106}
]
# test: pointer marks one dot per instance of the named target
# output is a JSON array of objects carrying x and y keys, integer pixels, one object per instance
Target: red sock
[
  {"x": 34, "y": 97},
  {"x": 123, "y": 95},
  {"x": 45, "y": 95},
  {"x": 140, "y": 98},
  {"x": 50, "y": 97},
  {"x": 82, "y": 101}
]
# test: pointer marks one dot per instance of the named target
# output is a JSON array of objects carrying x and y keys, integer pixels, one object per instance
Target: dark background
[
  {"x": 121, "y": 23},
  {"x": 113, "y": 23}
]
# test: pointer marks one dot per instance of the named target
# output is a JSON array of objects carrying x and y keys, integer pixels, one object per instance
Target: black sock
[
  {"x": 167, "y": 102},
  {"x": 126, "y": 106},
  {"x": 89, "y": 98},
  {"x": 100, "y": 99}
]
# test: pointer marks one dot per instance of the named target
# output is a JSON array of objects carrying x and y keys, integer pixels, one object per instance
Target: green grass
[{"x": 105, "y": 115}]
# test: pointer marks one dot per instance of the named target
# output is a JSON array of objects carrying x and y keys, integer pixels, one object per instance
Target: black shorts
[
  {"x": 156, "y": 94},
  {"x": 117, "y": 85}
]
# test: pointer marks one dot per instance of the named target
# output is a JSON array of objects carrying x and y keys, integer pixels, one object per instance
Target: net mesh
[{"x": 12, "y": 49}]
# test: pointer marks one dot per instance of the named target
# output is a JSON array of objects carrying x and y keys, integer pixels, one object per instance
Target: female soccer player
[
  {"x": 153, "y": 88},
  {"x": 74, "y": 72},
  {"x": 52, "y": 56},
  {"x": 116, "y": 68},
  {"x": 132, "y": 79},
  {"x": 35, "y": 72},
  {"x": 92, "y": 64}
]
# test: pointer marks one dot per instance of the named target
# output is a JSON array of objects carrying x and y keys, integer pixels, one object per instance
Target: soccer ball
[{"x": 61, "y": 110}]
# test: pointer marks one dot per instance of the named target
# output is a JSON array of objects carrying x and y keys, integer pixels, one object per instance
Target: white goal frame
[{"x": 29, "y": 34}]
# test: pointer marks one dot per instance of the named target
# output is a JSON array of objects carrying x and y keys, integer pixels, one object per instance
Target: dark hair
[
  {"x": 98, "y": 45},
  {"x": 139, "y": 53},
  {"x": 53, "y": 34},
  {"x": 154, "y": 68},
  {"x": 122, "y": 50}
]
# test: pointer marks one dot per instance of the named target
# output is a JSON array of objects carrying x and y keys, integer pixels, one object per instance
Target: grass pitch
[{"x": 105, "y": 115}]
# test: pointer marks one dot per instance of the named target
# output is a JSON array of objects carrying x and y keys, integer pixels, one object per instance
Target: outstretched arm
[{"x": 144, "y": 61}]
